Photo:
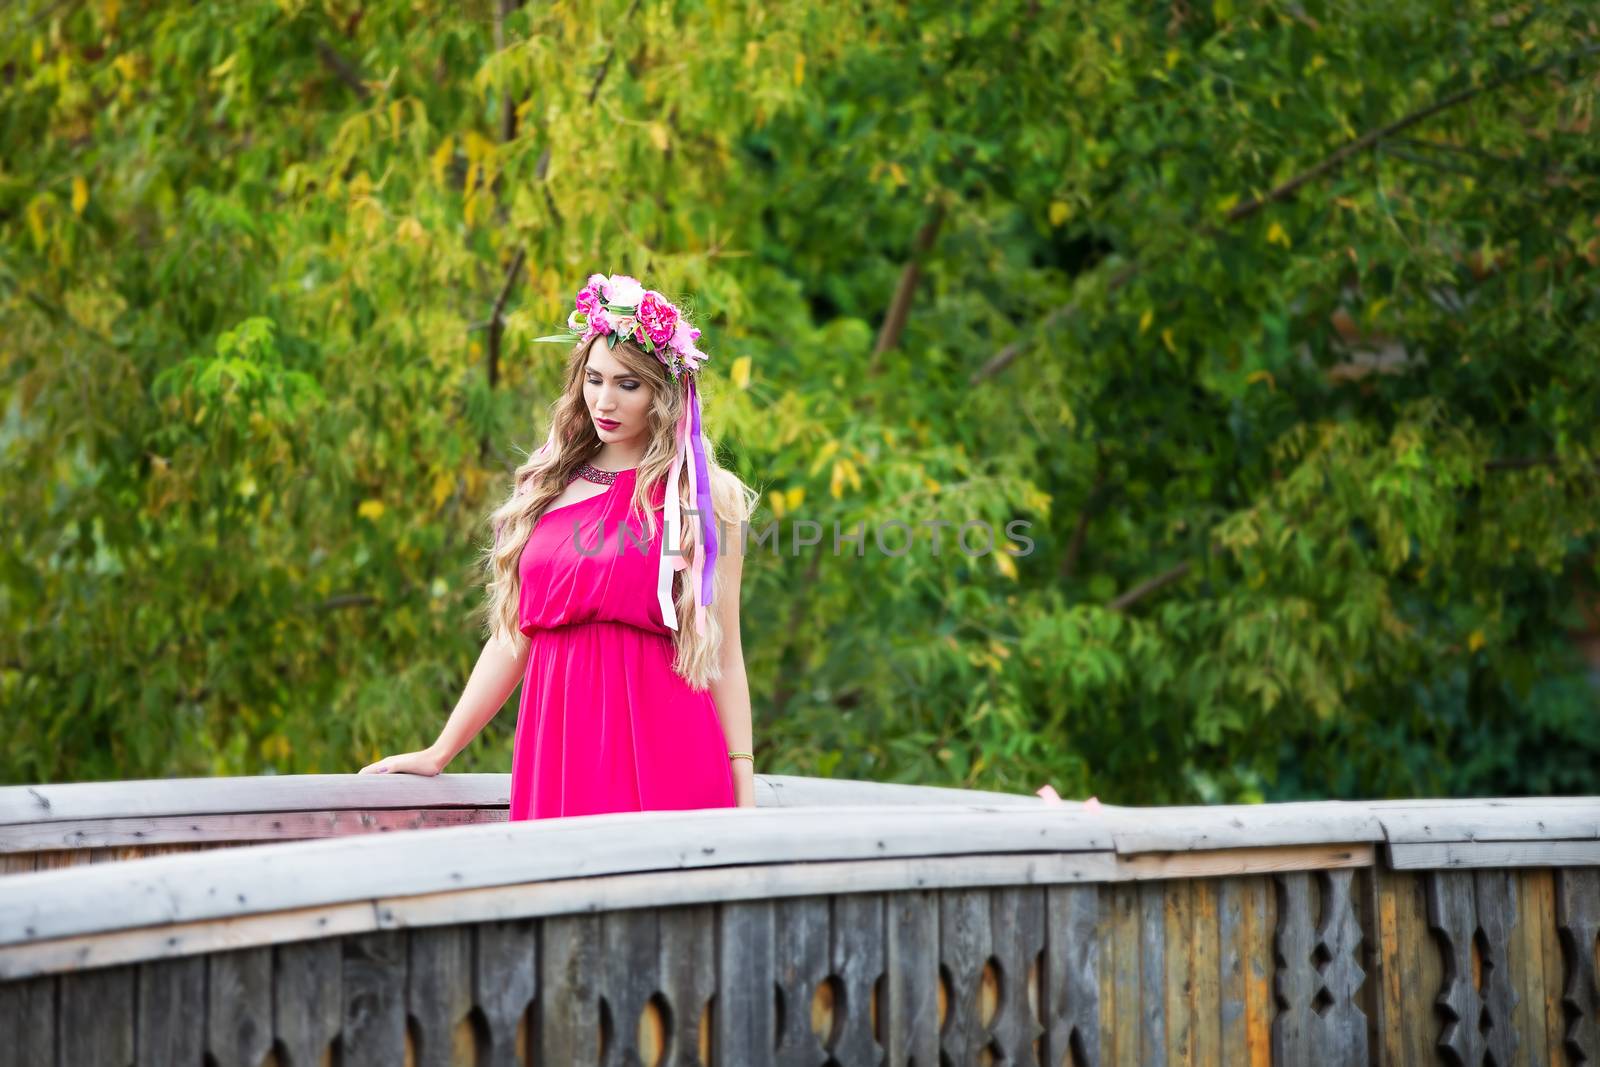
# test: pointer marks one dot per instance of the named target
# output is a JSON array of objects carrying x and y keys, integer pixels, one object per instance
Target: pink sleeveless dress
[{"x": 604, "y": 724}]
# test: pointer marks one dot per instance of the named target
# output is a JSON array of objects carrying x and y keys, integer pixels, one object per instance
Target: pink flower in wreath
[
  {"x": 658, "y": 318},
  {"x": 599, "y": 323},
  {"x": 623, "y": 291},
  {"x": 588, "y": 301}
]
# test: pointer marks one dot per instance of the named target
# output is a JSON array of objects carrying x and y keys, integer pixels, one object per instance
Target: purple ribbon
[{"x": 702, "y": 502}]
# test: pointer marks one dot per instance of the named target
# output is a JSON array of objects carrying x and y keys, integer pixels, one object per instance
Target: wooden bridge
[{"x": 243, "y": 922}]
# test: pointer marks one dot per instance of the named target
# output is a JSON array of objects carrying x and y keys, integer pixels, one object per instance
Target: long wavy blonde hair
[{"x": 540, "y": 479}]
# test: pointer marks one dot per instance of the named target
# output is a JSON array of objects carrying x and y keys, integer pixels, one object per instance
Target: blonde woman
[{"x": 613, "y": 586}]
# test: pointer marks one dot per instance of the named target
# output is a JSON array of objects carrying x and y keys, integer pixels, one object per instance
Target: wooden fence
[{"x": 350, "y": 920}]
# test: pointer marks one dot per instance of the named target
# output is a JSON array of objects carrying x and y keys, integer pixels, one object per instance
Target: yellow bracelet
[{"x": 742, "y": 755}]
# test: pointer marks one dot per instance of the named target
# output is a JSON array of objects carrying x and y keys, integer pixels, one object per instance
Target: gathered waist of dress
[{"x": 595, "y": 626}]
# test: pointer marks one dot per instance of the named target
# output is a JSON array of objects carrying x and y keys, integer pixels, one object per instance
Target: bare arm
[
  {"x": 731, "y": 692},
  {"x": 492, "y": 680}
]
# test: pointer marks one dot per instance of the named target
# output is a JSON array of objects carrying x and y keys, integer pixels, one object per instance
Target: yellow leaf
[
  {"x": 658, "y": 136},
  {"x": 1277, "y": 236},
  {"x": 897, "y": 174},
  {"x": 1166, "y": 339},
  {"x": 1146, "y": 319},
  {"x": 1060, "y": 211},
  {"x": 410, "y": 231},
  {"x": 800, "y": 69},
  {"x": 1173, "y": 55},
  {"x": 443, "y": 485},
  {"x": 396, "y": 112},
  {"x": 740, "y": 372},
  {"x": 371, "y": 509},
  {"x": 1227, "y": 203},
  {"x": 440, "y": 159},
  {"x": 752, "y": 52},
  {"x": 1263, "y": 376},
  {"x": 931, "y": 485},
  {"x": 775, "y": 498},
  {"x": 824, "y": 454},
  {"x": 796, "y": 497},
  {"x": 836, "y": 482},
  {"x": 1005, "y": 565},
  {"x": 1475, "y": 641},
  {"x": 80, "y": 195}
]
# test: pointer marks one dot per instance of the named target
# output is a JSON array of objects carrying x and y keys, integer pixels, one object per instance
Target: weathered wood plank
[
  {"x": 1179, "y": 988},
  {"x": 68, "y": 801},
  {"x": 1205, "y": 1001},
  {"x": 1496, "y": 903},
  {"x": 1017, "y": 922},
  {"x": 804, "y": 989},
  {"x": 965, "y": 944},
  {"x": 1261, "y": 921},
  {"x": 688, "y": 969},
  {"x": 1295, "y": 982},
  {"x": 118, "y": 834},
  {"x": 1485, "y": 823},
  {"x": 744, "y": 1019},
  {"x": 911, "y": 977},
  {"x": 169, "y": 1022},
  {"x": 569, "y": 990},
  {"x": 1578, "y": 920},
  {"x": 1233, "y": 946},
  {"x": 1077, "y": 929},
  {"x": 1440, "y": 855},
  {"x": 1526, "y": 961},
  {"x": 630, "y": 953},
  {"x": 1104, "y": 942},
  {"x": 1450, "y": 916},
  {"x": 1543, "y": 884},
  {"x": 308, "y": 998},
  {"x": 1152, "y": 975},
  {"x": 28, "y": 1020},
  {"x": 1127, "y": 988},
  {"x": 96, "y": 1017},
  {"x": 505, "y": 980},
  {"x": 373, "y": 971},
  {"x": 238, "y": 1006},
  {"x": 1340, "y": 1025},
  {"x": 1191, "y": 829},
  {"x": 856, "y": 961},
  {"x": 1220, "y": 862},
  {"x": 1387, "y": 953},
  {"x": 238, "y": 881}
]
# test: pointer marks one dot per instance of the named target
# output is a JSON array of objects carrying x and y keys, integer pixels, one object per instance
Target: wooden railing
[{"x": 838, "y": 923}]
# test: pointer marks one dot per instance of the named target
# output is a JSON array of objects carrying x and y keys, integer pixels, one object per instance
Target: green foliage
[{"x": 1303, "y": 420}]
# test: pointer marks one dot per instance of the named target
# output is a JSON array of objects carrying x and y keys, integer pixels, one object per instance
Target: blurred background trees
[{"x": 1278, "y": 323}]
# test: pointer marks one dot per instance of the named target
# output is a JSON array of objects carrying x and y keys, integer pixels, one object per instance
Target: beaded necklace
[{"x": 595, "y": 474}]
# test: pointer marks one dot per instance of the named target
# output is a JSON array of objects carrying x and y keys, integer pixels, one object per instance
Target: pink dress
[{"x": 604, "y": 723}]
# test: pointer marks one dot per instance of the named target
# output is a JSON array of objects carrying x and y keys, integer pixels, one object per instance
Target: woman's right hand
[{"x": 425, "y": 762}]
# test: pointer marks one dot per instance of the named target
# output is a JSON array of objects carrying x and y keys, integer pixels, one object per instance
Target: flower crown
[{"x": 620, "y": 308}]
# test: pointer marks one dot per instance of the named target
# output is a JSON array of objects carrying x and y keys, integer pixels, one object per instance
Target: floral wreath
[{"x": 619, "y": 308}]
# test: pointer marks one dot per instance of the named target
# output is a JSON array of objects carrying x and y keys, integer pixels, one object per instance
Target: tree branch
[
  {"x": 894, "y": 321},
  {"x": 1148, "y": 586},
  {"x": 342, "y": 67},
  {"x": 1007, "y": 355}
]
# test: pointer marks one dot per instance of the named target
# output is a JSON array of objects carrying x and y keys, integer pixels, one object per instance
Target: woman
[{"x": 613, "y": 586}]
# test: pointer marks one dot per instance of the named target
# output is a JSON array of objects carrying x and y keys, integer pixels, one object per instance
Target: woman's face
[{"x": 618, "y": 400}]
